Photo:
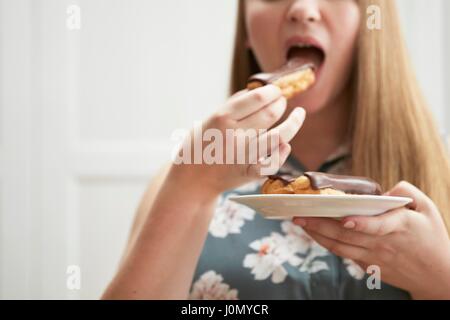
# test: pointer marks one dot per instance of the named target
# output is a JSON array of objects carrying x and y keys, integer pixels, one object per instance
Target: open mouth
[{"x": 306, "y": 53}]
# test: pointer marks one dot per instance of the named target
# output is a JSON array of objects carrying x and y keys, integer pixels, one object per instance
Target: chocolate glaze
[
  {"x": 347, "y": 184},
  {"x": 286, "y": 179},
  {"x": 290, "y": 67}
]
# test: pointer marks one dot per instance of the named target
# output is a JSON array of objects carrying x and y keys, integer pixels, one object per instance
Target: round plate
[{"x": 288, "y": 206}]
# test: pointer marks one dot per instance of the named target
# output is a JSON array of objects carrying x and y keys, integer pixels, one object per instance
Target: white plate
[{"x": 287, "y": 206}]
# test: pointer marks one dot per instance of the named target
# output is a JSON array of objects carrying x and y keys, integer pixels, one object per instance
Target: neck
[{"x": 322, "y": 133}]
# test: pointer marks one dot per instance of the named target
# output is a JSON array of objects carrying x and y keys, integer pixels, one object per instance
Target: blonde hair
[{"x": 394, "y": 136}]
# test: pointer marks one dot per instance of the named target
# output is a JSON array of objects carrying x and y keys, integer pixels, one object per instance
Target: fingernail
[
  {"x": 281, "y": 106},
  {"x": 284, "y": 147},
  {"x": 299, "y": 115},
  {"x": 350, "y": 225},
  {"x": 300, "y": 111},
  {"x": 275, "y": 89},
  {"x": 300, "y": 222}
]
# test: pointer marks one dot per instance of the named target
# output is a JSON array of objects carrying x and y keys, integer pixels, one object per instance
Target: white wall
[
  {"x": 86, "y": 118},
  {"x": 427, "y": 30}
]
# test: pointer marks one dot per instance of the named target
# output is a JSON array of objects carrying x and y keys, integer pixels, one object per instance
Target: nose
[{"x": 304, "y": 12}]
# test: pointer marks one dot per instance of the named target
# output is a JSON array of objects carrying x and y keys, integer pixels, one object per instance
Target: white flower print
[
  {"x": 210, "y": 286},
  {"x": 296, "y": 237},
  {"x": 277, "y": 249},
  {"x": 310, "y": 264},
  {"x": 229, "y": 217},
  {"x": 354, "y": 269},
  {"x": 272, "y": 253},
  {"x": 303, "y": 244}
]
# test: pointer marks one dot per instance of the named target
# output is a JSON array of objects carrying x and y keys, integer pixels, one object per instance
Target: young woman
[{"x": 364, "y": 116}]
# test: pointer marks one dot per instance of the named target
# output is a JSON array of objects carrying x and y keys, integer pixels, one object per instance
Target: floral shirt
[{"x": 248, "y": 257}]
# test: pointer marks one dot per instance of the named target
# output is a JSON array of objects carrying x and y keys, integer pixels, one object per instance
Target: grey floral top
[{"x": 248, "y": 257}]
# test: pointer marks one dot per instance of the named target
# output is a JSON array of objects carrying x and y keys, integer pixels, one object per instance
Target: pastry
[
  {"x": 320, "y": 183},
  {"x": 292, "y": 79}
]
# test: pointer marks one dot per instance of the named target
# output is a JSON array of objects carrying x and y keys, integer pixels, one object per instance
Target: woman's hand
[
  {"x": 410, "y": 245},
  {"x": 251, "y": 111},
  {"x": 195, "y": 188}
]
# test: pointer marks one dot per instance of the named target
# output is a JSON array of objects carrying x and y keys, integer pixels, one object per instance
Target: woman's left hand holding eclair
[{"x": 410, "y": 245}]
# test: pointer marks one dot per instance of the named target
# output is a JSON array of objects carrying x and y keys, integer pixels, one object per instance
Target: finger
[
  {"x": 271, "y": 165},
  {"x": 333, "y": 229},
  {"x": 387, "y": 223},
  {"x": 283, "y": 133},
  {"x": 238, "y": 93},
  {"x": 266, "y": 117},
  {"x": 405, "y": 189},
  {"x": 338, "y": 248},
  {"x": 243, "y": 105}
]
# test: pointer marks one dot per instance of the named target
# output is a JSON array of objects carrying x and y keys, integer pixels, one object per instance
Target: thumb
[{"x": 405, "y": 189}]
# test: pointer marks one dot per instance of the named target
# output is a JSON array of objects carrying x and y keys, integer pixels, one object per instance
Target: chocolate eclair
[
  {"x": 321, "y": 183},
  {"x": 293, "y": 78}
]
